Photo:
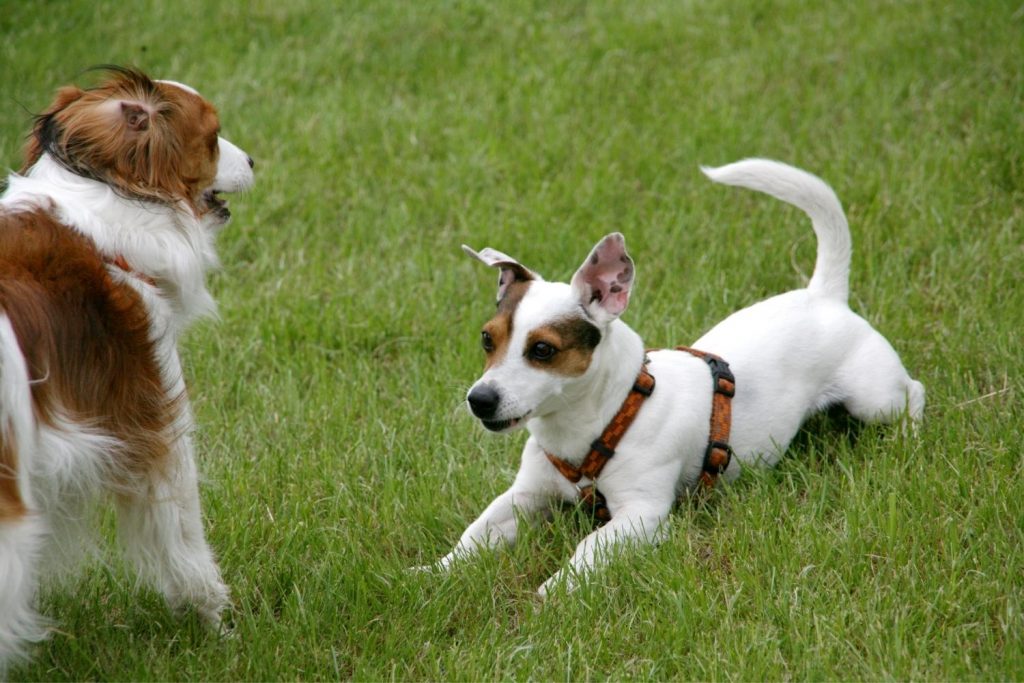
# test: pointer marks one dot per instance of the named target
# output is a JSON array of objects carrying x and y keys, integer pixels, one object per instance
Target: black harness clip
[{"x": 720, "y": 371}]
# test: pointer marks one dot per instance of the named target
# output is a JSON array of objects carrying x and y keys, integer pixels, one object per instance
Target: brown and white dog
[
  {"x": 560, "y": 363},
  {"x": 105, "y": 240}
]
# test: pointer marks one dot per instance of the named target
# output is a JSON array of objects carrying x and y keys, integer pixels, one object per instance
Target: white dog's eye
[
  {"x": 486, "y": 341},
  {"x": 542, "y": 351}
]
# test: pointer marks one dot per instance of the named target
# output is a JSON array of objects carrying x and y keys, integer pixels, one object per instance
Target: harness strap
[
  {"x": 603, "y": 448},
  {"x": 718, "y": 453},
  {"x": 716, "y": 457}
]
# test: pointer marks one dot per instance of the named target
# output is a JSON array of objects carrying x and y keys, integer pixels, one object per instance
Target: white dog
[
  {"x": 561, "y": 363},
  {"x": 104, "y": 246}
]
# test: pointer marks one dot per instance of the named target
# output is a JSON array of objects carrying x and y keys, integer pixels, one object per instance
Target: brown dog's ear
[
  {"x": 605, "y": 280},
  {"x": 136, "y": 115},
  {"x": 65, "y": 95},
  {"x": 510, "y": 269},
  {"x": 45, "y": 130}
]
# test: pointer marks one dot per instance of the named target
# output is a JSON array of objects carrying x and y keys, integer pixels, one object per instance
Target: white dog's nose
[{"x": 483, "y": 401}]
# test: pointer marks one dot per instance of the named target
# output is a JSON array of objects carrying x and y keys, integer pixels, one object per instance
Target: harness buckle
[
  {"x": 712, "y": 464},
  {"x": 639, "y": 387},
  {"x": 720, "y": 371},
  {"x": 600, "y": 447}
]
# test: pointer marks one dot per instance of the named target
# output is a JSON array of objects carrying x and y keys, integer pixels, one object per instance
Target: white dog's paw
[
  {"x": 560, "y": 581},
  {"x": 439, "y": 567}
]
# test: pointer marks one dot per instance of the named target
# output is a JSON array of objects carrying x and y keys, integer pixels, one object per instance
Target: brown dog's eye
[
  {"x": 542, "y": 351},
  {"x": 486, "y": 341}
]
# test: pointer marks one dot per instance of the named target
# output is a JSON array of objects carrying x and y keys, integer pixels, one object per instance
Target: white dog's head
[{"x": 546, "y": 336}]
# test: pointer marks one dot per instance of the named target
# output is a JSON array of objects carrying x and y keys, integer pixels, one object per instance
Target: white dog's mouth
[
  {"x": 503, "y": 425},
  {"x": 487, "y": 405}
]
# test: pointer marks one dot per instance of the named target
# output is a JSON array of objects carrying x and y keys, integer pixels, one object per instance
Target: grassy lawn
[{"x": 335, "y": 448}]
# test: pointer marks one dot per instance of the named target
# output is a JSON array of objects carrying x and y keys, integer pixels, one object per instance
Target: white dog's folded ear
[
  {"x": 604, "y": 281},
  {"x": 510, "y": 269}
]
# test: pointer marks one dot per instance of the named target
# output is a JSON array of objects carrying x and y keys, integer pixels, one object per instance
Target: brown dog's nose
[{"x": 483, "y": 401}]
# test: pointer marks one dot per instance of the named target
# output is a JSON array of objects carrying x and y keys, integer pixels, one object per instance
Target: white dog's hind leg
[
  {"x": 161, "y": 529},
  {"x": 637, "y": 525},
  {"x": 875, "y": 385}
]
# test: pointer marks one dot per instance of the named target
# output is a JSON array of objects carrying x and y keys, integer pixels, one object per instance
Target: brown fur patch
[
  {"x": 500, "y": 326},
  {"x": 85, "y": 337},
  {"x": 150, "y": 140},
  {"x": 574, "y": 340},
  {"x": 11, "y": 505}
]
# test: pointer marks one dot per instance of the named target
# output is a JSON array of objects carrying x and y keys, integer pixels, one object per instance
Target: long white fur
[
  {"x": 65, "y": 467},
  {"x": 792, "y": 354},
  {"x": 20, "y": 542},
  {"x": 167, "y": 243}
]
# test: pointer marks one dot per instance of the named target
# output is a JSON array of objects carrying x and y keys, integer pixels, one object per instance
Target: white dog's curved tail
[
  {"x": 810, "y": 193},
  {"x": 21, "y": 531}
]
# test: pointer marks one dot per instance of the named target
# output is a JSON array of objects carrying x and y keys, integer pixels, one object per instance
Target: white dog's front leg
[
  {"x": 629, "y": 526},
  {"x": 496, "y": 527}
]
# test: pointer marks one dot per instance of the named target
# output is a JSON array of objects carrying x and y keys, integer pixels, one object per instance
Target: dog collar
[
  {"x": 121, "y": 262},
  {"x": 717, "y": 455}
]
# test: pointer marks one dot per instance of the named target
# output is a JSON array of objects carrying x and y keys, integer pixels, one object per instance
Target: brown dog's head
[{"x": 147, "y": 139}]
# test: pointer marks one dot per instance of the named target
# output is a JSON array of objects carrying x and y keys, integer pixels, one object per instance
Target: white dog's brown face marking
[
  {"x": 564, "y": 347},
  {"x": 497, "y": 333},
  {"x": 544, "y": 335}
]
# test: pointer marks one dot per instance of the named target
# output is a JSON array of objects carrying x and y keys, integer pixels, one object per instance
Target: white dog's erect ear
[
  {"x": 510, "y": 269},
  {"x": 604, "y": 281}
]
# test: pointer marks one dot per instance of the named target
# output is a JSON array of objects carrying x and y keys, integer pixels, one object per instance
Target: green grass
[{"x": 335, "y": 449}]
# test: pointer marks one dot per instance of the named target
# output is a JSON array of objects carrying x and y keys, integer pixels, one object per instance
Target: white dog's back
[{"x": 799, "y": 352}]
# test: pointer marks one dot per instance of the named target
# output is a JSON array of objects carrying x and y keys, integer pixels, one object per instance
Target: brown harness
[{"x": 716, "y": 456}]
